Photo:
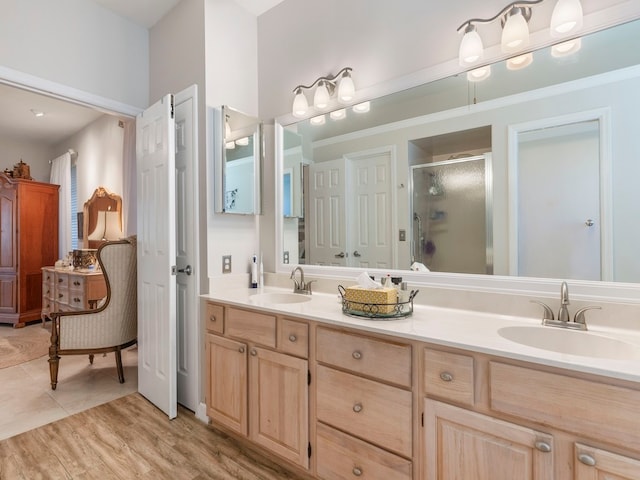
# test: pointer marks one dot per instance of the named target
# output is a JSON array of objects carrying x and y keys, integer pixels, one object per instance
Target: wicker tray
[{"x": 372, "y": 310}]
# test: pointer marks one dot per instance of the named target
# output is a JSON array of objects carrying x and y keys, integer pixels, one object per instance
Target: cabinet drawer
[
  {"x": 61, "y": 280},
  {"x": 293, "y": 338},
  {"x": 375, "y": 412},
  {"x": 586, "y": 407},
  {"x": 448, "y": 376},
  {"x": 48, "y": 276},
  {"x": 214, "y": 316},
  {"x": 380, "y": 359},
  {"x": 342, "y": 457},
  {"x": 251, "y": 326},
  {"x": 62, "y": 296}
]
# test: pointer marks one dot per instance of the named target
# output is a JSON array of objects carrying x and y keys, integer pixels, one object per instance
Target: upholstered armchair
[{"x": 110, "y": 327}]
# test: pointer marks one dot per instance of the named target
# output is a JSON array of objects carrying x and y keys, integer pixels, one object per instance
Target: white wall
[
  {"x": 76, "y": 43},
  {"x": 99, "y": 162},
  {"x": 37, "y": 156}
]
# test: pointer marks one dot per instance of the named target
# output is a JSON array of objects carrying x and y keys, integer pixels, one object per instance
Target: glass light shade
[
  {"x": 479, "y": 74},
  {"x": 300, "y": 104},
  {"x": 321, "y": 97},
  {"x": 363, "y": 107},
  {"x": 566, "y": 18},
  {"x": 471, "y": 49},
  {"x": 346, "y": 88},
  {"x": 107, "y": 226},
  {"x": 515, "y": 33},
  {"x": 338, "y": 114},
  {"x": 566, "y": 48},
  {"x": 521, "y": 61},
  {"x": 242, "y": 142},
  {"x": 230, "y": 145},
  {"x": 319, "y": 120}
]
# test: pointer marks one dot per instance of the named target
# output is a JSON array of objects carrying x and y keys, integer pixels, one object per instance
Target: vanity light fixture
[
  {"x": 325, "y": 88},
  {"x": 521, "y": 61},
  {"x": 242, "y": 142},
  {"x": 338, "y": 114},
  {"x": 363, "y": 107},
  {"x": 479, "y": 74},
  {"x": 565, "y": 20},
  {"x": 317, "y": 120},
  {"x": 566, "y": 48}
]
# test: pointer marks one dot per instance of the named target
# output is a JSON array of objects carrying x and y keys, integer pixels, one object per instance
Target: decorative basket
[{"x": 378, "y": 311}]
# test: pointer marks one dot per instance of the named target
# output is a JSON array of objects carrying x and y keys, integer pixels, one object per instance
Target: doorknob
[
  {"x": 340, "y": 255},
  {"x": 356, "y": 254},
  {"x": 589, "y": 222},
  {"x": 186, "y": 270}
]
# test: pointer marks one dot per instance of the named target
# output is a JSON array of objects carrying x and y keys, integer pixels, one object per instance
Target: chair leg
[
  {"x": 54, "y": 361},
  {"x": 119, "y": 366},
  {"x": 91, "y": 358}
]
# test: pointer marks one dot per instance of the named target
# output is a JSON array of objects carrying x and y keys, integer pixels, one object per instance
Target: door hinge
[
  {"x": 174, "y": 270},
  {"x": 309, "y": 450},
  {"x": 308, "y": 377},
  {"x": 172, "y": 106},
  {"x": 422, "y": 419}
]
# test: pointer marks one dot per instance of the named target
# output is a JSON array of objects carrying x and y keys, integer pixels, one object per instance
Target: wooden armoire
[{"x": 28, "y": 242}]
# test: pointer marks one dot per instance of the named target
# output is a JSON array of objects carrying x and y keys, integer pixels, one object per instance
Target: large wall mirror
[
  {"x": 530, "y": 173},
  {"x": 238, "y": 156}
]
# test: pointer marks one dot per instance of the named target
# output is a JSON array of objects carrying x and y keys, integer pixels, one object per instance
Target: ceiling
[{"x": 63, "y": 119}]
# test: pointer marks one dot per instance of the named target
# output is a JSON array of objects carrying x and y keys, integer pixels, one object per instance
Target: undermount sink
[
  {"x": 571, "y": 342},
  {"x": 279, "y": 298}
]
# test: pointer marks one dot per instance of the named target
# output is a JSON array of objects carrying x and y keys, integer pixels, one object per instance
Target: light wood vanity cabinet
[
  {"x": 253, "y": 389},
  {"x": 364, "y": 407}
]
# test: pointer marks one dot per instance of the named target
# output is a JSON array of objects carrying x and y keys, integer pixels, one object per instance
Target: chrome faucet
[
  {"x": 300, "y": 286},
  {"x": 564, "y": 319},
  {"x": 563, "y": 313}
]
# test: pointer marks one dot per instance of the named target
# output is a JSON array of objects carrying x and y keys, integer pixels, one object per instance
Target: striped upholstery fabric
[{"x": 115, "y": 322}]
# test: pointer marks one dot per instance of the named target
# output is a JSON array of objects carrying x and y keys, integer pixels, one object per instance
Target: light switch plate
[
  {"x": 226, "y": 264},
  {"x": 285, "y": 257}
]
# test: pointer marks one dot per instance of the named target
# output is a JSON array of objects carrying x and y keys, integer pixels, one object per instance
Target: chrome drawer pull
[
  {"x": 446, "y": 377},
  {"x": 357, "y": 355},
  {"x": 543, "y": 446},
  {"x": 253, "y": 352},
  {"x": 587, "y": 459},
  {"x": 292, "y": 338},
  {"x": 241, "y": 349},
  {"x": 357, "y": 407},
  {"x": 357, "y": 471}
]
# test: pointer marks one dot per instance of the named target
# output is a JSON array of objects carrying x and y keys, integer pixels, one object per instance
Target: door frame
[{"x": 603, "y": 116}]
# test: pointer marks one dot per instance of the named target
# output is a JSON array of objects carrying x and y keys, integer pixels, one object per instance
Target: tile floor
[{"x": 27, "y": 401}]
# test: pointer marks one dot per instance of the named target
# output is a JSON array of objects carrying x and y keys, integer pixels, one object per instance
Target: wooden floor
[{"x": 130, "y": 438}]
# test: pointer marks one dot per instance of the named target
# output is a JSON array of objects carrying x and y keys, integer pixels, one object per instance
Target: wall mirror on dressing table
[
  {"x": 425, "y": 135},
  {"x": 237, "y": 160}
]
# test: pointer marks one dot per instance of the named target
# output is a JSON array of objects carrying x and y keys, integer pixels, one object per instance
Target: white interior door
[
  {"x": 327, "y": 216},
  {"x": 187, "y": 303},
  {"x": 155, "y": 151},
  {"x": 370, "y": 206},
  {"x": 559, "y": 226}
]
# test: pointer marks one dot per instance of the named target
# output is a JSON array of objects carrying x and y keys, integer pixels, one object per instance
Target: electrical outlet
[
  {"x": 402, "y": 237},
  {"x": 226, "y": 264}
]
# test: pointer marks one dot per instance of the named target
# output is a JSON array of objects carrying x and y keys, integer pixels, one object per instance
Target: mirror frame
[
  {"x": 581, "y": 289},
  {"x": 220, "y": 161}
]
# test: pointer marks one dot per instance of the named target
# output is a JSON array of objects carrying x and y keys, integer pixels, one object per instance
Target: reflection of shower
[{"x": 417, "y": 254}]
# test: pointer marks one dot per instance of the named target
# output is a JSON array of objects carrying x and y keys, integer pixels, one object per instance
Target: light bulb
[
  {"x": 566, "y": 48},
  {"x": 346, "y": 89},
  {"x": 321, "y": 97},
  {"x": 300, "y": 104},
  {"x": 318, "y": 120},
  {"x": 479, "y": 74},
  {"x": 566, "y": 18},
  {"x": 363, "y": 107},
  {"x": 515, "y": 33},
  {"x": 471, "y": 48},
  {"x": 338, "y": 114},
  {"x": 521, "y": 61}
]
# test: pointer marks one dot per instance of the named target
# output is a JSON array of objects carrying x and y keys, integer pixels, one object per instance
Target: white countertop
[{"x": 463, "y": 329}]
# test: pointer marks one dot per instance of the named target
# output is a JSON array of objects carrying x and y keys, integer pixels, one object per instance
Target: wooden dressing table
[{"x": 65, "y": 290}]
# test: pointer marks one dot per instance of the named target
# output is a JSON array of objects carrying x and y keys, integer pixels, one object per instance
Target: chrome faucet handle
[
  {"x": 548, "y": 313},
  {"x": 579, "y": 317},
  {"x": 307, "y": 286}
]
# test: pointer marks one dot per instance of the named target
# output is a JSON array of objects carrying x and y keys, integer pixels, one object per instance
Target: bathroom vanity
[{"x": 440, "y": 394}]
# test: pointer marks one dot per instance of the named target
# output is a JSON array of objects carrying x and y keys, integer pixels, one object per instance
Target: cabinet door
[
  {"x": 279, "y": 406},
  {"x": 227, "y": 382},
  {"x": 596, "y": 464},
  {"x": 462, "y": 444}
]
